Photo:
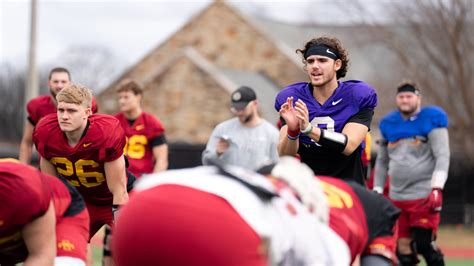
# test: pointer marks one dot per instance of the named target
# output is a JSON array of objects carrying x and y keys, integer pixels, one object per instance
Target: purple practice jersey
[
  {"x": 352, "y": 101},
  {"x": 349, "y": 98}
]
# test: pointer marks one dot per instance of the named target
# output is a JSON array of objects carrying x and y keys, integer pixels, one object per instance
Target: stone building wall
[
  {"x": 187, "y": 100},
  {"x": 225, "y": 38},
  {"x": 189, "y": 108},
  {"x": 228, "y": 40}
]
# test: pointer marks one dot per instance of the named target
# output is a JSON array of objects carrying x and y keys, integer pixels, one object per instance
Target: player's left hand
[
  {"x": 435, "y": 199},
  {"x": 302, "y": 114}
]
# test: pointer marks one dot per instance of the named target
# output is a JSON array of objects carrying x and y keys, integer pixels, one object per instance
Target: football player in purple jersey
[{"x": 326, "y": 120}]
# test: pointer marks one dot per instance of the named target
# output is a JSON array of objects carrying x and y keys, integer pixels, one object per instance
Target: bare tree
[
  {"x": 89, "y": 65},
  {"x": 92, "y": 66},
  {"x": 433, "y": 41},
  {"x": 12, "y": 91}
]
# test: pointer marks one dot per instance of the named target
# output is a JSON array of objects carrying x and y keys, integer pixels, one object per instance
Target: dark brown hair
[
  {"x": 129, "y": 85},
  {"x": 59, "y": 70},
  {"x": 334, "y": 44}
]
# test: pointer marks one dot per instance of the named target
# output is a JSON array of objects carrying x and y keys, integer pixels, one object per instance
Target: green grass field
[{"x": 454, "y": 238}]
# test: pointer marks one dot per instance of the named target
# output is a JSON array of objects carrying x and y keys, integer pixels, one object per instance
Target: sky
[
  {"x": 129, "y": 28},
  {"x": 126, "y": 29}
]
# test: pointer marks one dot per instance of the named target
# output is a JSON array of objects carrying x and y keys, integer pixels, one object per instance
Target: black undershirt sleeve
[
  {"x": 363, "y": 117},
  {"x": 31, "y": 121},
  {"x": 158, "y": 140}
]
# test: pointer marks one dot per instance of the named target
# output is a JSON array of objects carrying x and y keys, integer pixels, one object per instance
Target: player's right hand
[{"x": 288, "y": 112}]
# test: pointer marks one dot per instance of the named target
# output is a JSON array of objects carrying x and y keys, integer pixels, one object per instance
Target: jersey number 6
[{"x": 136, "y": 146}]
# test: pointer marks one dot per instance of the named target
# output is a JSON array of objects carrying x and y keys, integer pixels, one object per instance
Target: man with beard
[
  {"x": 326, "y": 120},
  {"x": 247, "y": 140},
  {"x": 43, "y": 105},
  {"x": 414, "y": 152}
]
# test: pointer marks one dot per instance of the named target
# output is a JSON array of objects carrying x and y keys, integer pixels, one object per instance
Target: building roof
[
  {"x": 265, "y": 89},
  {"x": 230, "y": 80}
]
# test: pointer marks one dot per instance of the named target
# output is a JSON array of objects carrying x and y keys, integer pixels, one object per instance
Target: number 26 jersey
[{"x": 83, "y": 165}]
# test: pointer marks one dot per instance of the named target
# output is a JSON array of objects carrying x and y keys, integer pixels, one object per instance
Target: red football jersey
[
  {"x": 346, "y": 214},
  {"x": 72, "y": 219},
  {"x": 60, "y": 195},
  {"x": 139, "y": 136},
  {"x": 24, "y": 196},
  {"x": 83, "y": 164},
  {"x": 43, "y": 105}
]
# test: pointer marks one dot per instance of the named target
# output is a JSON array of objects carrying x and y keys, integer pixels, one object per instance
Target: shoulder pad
[{"x": 436, "y": 115}]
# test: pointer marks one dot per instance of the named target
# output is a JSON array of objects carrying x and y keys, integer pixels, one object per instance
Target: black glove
[{"x": 115, "y": 209}]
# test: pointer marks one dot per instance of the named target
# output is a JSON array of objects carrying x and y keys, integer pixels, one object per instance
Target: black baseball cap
[{"x": 242, "y": 96}]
